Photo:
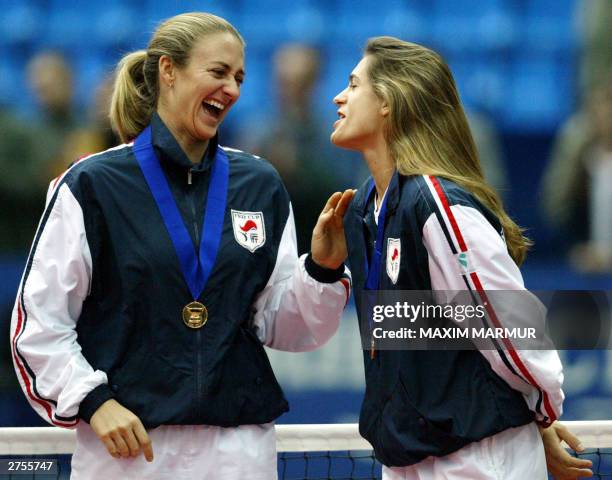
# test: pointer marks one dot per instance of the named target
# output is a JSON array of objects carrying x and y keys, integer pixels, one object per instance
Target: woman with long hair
[{"x": 427, "y": 220}]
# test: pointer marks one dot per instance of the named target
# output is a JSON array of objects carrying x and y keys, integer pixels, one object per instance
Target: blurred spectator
[
  {"x": 490, "y": 152},
  {"x": 596, "y": 56},
  {"x": 23, "y": 182},
  {"x": 29, "y": 152},
  {"x": 296, "y": 141},
  {"x": 27, "y": 164},
  {"x": 97, "y": 135},
  {"x": 51, "y": 79},
  {"x": 578, "y": 182}
]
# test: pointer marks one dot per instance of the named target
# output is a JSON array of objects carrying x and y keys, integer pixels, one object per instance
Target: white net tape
[{"x": 289, "y": 438}]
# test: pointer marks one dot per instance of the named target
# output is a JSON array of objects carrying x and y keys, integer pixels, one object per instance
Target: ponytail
[{"x": 132, "y": 103}]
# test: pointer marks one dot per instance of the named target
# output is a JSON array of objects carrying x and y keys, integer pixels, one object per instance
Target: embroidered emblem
[
  {"x": 249, "y": 229},
  {"x": 465, "y": 262},
  {"x": 394, "y": 253}
]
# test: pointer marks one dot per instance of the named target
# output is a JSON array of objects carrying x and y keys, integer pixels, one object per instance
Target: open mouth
[
  {"x": 341, "y": 117},
  {"x": 213, "y": 107}
]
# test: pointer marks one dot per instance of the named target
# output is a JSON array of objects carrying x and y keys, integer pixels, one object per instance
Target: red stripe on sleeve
[
  {"x": 449, "y": 212},
  {"x": 26, "y": 378},
  {"x": 508, "y": 344},
  {"x": 517, "y": 360},
  {"x": 347, "y": 286}
]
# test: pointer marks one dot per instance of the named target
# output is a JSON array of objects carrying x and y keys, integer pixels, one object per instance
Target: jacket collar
[
  {"x": 168, "y": 149},
  {"x": 392, "y": 195}
]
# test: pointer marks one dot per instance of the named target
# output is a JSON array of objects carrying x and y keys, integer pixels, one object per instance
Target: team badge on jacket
[
  {"x": 394, "y": 254},
  {"x": 249, "y": 229}
]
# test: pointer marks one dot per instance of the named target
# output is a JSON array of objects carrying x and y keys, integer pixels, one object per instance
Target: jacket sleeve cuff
[
  {"x": 93, "y": 400},
  {"x": 322, "y": 274}
]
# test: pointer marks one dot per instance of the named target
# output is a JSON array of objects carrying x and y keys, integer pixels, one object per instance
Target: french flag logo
[{"x": 249, "y": 229}]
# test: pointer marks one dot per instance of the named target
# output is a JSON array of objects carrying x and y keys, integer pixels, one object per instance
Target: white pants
[
  {"x": 183, "y": 452},
  {"x": 514, "y": 454}
]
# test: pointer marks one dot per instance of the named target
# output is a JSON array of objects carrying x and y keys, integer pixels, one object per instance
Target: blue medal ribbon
[
  {"x": 196, "y": 267},
  {"x": 372, "y": 269}
]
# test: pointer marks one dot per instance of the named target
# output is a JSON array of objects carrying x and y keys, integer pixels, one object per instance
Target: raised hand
[
  {"x": 328, "y": 245},
  {"x": 121, "y": 431}
]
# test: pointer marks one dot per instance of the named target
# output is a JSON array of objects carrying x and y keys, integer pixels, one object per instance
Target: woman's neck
[
  {"x": 381, "y": 167},
  {"x": 193, "y": 149}
]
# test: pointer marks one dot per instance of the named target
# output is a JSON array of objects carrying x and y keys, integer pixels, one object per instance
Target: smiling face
[
  {"x": 361, "y": 111},
  {"x": 195, "y": 99}
]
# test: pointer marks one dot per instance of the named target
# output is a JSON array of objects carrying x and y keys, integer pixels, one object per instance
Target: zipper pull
[{"x": 189, "y": 177}]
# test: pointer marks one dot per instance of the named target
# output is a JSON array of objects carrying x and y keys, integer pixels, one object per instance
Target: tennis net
[{"x": 306, "y": 452}]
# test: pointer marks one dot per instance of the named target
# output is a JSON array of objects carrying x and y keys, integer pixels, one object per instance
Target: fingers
[
  {"x": 573, "y": 473},
  {"x": 132, "y": 443},
  {"x": 344, "y": 202},
  {"x": 127, "y": 442},
  {"x": 121, "y": 431},
  {"x": 144, "y": 441},
  {"x": 569, "y": 461},
  {"x": 328, "y": 211},
  {"x": 332, "y": 202},
  {"x": 122, "y": 447},
  {"x": 582, "y": 472},
  {"x": 337, "y": 204},
  {"x": 579, "y": 463},
  {"x": 568, "y": 437},
  {"x": 110, "y": 446}
]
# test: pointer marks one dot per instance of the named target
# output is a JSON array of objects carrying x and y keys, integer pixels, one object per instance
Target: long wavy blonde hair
[
  {"x": 136, "y": 87},
  {"x": 427, "y": 130}
]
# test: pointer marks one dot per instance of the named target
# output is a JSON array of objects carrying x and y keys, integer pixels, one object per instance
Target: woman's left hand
[
  {"x": 328, "y": 245},
  {"x": 561, "y": 464}
]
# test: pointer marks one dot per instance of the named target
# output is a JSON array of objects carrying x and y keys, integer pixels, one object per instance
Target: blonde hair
[
  {"x": 136, "y": 88},
  {"x": 427, "y": 130}
]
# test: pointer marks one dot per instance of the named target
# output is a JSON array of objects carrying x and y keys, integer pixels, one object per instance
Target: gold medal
[{"x": 195, "y": 315}]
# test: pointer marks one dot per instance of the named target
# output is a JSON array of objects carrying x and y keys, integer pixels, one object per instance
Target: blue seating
[
  {"x": 550, "y": 35},
  {"x": 549, "y": 26},
  {"x": 68, "y": 30},
  {"x": 486, "y": 43},
  {"x": 157, "y": 10},
  {"x": 256, "y": 92},
  {"x": 12, "y": 84},
  {"x": 540, "y": 94},
  {"x": 551, "y": 8},
  {"x": 352, "y": 28},
  {"x": 484, "y": 28},
  {"x": 267, "y": 29},
  {"x": 334, "y": 78},
  {"x": 465, "y": 8},
  {"x": 90, "y": 72},
  {"x": 19, "y": 25},
  {"x": 114, "y": 28},
  {"x": 482, "y": 84}
]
